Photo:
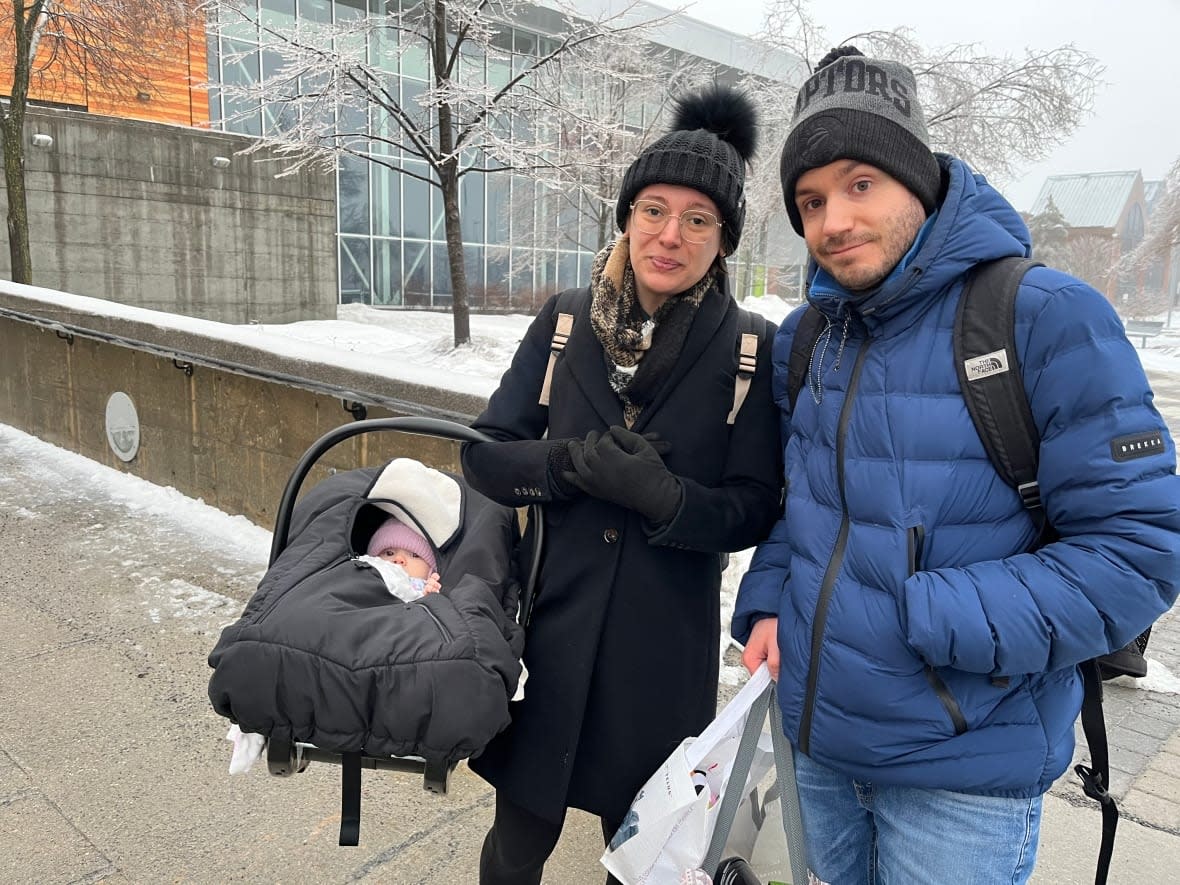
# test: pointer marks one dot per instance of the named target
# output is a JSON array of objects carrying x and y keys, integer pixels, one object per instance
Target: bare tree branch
[
  {"x": 331, "y": 98},
  {"x": 1163, "y": 228},
  {"x": 112, "y": 45}
]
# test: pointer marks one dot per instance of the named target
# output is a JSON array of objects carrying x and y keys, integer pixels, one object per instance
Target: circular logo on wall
[{"x": 122, "y": 426}]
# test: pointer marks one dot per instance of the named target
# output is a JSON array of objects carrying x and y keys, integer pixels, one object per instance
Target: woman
[{"x": 645, "y": 485}]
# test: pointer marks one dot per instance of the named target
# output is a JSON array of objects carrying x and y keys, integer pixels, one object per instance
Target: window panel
[
  {"x": 416, "y": 193},
  {"x": 471, "y": 200},
  {"x": 316, "y": 11},
  {"x": 240, "y": 21},
  {"x": 281, "y": 114},
  {"x": 353, "y": 195},
  {"x": 498, "y": 202},
  {"x": 417, "y": 274},
  {"x": 473, "y": 267},
  {"x": 442, "y": 274},
  {"x": 525, "y": 43},
  {"x": 213, "y": 53},
  {"x": 496, "y": 287},
  {"x": 387, "y": 272},
  {"x": 354, "y": 270},
  {"x": 411, "y": 91},
  {"x": 240, "y": 68},
  {"x": 387, "y": 201},
  {"x": 278, "y": 15},
  {"x": 386, "y": 133},
  {"x": 520, "y": 284},
  {"x": 523, "y": 198},
  {"x": 383, "y": 41},
  {"x": 567, "y": 271},
  {"x": 414, "y": 61}
]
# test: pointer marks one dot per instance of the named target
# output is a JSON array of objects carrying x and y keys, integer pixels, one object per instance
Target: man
[{"x": 926, "y": 659}]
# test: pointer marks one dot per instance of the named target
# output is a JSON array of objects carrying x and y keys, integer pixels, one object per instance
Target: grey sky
[{"x": 1136, "y": 119}]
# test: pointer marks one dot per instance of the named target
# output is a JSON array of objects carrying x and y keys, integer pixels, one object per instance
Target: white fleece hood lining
[{"x": 421, "y": 497}]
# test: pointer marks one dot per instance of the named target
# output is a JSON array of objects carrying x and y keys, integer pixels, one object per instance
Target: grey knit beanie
[
  {"x": 713, "y": 136},
  {"x": 859, "y": 108}
]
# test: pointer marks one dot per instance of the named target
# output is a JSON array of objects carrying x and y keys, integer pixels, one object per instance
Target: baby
[{"x": 398, "y": 544}]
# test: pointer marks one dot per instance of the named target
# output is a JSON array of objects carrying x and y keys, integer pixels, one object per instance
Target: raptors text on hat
[{"x": 854, "y": 75}]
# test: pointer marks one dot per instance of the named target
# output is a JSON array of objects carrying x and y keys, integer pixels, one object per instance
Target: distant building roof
[
  {"x": 678, "y": 30},
  {"x": 1090, "y": 199}
]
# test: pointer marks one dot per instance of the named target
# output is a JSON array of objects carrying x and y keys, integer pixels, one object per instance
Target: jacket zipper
[
  {"x": 446, "y": 634},
  {"x": 834, "y": 564},
  {"x": 438, "y": 623},
  {"x": 915, "y": 540}
]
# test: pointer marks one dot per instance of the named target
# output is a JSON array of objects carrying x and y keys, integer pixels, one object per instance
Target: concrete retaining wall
[
  {"x": 219, "y": 420},
  {"x": 135, "y": 212}
]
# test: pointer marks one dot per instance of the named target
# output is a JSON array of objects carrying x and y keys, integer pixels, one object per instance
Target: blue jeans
[{"x": 866, "y": 834}]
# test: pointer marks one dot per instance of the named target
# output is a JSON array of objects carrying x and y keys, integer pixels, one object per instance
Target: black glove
[
  {"x": 561, "y": 463},
  {"x": 625, "y": 468}
]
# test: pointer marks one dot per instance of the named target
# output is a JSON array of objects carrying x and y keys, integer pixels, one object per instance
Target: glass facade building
[{"x": 392, "y": 247}]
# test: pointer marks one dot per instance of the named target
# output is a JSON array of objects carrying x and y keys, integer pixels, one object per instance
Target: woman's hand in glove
[{"x": 625, "y": 468}]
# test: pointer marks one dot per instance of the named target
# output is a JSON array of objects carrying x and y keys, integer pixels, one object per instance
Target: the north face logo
[{"x": 985, "y": 366}]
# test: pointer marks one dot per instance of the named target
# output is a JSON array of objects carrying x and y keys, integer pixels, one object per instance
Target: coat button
[{"x": 610, "y": 536}]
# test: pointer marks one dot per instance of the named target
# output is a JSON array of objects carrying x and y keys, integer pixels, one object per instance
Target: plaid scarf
[{"x": 638, "y": 360}]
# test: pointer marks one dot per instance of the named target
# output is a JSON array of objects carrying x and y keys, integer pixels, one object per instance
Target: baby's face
[{"x": 415, "y": 565}]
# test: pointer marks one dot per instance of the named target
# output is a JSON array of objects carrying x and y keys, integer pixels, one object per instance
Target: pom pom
[
  {"x": 833, "y": 54},
  {"x": 726, "y": 112}
]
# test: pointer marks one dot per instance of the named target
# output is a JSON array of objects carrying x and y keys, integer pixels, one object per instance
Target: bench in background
[{"x": 1143, "y": 329}]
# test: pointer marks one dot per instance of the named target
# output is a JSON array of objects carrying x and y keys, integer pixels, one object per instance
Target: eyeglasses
[{"x": 696, "y": 225}]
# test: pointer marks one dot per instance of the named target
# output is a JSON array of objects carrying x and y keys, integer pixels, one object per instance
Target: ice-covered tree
[
  {"x": 1050, "y": 235},
  {"x": 112, "y": 45},
  {"x": 1162, "y": 236},
  {"x": 609, "y": 117},
  {"x": 998, "y": 112},
  {"x": 483, "y": 109}
]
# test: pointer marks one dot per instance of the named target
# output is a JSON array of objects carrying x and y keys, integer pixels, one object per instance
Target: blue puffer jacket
[{"x": 920, "y": 644}]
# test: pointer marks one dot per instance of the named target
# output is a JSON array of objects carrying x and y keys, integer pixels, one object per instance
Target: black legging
[{"x": 519, "y": 843}]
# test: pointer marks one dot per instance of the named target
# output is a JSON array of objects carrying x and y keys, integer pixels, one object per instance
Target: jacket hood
[
  {"x": 420, "y": 497},
  {"x": 974, "y": 224}
]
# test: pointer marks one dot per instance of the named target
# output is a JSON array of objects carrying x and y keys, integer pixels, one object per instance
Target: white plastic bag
[{"x": 668, "y": 828}]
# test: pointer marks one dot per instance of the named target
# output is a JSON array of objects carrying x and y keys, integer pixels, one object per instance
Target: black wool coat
[{"x": 622, "y": 650}]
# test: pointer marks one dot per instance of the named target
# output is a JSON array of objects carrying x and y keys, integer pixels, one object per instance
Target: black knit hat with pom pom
[
  {"x": 713, "y": 136},
  {"x": 859, "y": 108}
]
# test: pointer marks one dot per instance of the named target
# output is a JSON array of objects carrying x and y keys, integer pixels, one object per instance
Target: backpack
[
  {"x": 993, "y": 388},
  {"x": 747, "y": 350}
]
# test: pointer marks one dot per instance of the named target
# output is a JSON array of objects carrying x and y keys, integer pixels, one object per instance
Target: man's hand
[{"x": 763, "y": 646}]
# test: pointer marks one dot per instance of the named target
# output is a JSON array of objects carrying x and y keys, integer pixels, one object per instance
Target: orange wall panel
[{"x": 172, "y": 89}]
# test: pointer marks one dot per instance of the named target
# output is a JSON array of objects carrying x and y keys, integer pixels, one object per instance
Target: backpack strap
[
  {"x": 993, "y": 389},
  {"x": 1096, "y": 776},
  {"x": 561, "y": 335},
  {"x": 806, "y": 334},
  {"x": 990, "y": 376},
  {"x": 747, "y": 362}
]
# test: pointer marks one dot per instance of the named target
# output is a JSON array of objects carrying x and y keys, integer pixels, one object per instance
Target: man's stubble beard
[{"x": 894, "y": 237}]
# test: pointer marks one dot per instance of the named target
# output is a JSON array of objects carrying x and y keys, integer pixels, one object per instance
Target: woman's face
[{"x": 665, "y": 264}]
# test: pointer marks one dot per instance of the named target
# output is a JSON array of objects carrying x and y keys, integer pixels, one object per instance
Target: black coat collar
[{"x": 587, "y": 363}]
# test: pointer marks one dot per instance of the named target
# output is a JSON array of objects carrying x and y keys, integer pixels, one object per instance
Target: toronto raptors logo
[{"x": 823, "y": 140}]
